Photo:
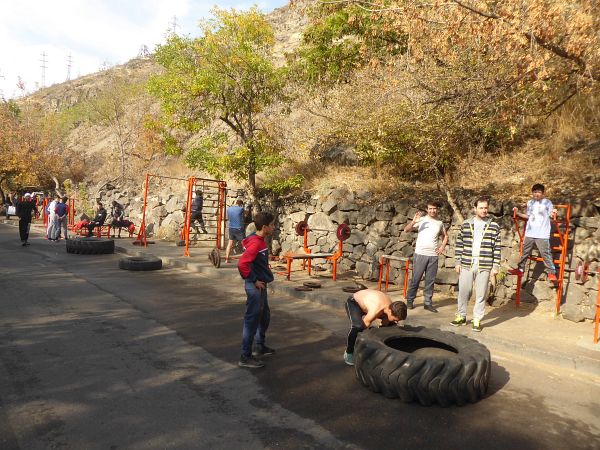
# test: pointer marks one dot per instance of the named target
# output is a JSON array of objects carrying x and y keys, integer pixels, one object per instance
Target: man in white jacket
[{"x": 52, "y": 226}]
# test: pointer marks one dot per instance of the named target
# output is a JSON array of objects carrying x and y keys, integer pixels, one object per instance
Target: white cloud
[{"x": 93, "y": 32}]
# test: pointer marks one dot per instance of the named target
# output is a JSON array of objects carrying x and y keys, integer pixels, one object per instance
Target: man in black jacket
[
  {"x": 24, "y": 210},
  {"x": 197, "y": 205},
  {"x": 98, "y": 220}
]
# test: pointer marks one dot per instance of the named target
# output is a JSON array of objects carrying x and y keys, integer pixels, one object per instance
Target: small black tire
[
  {"x": 90, "y": 246},
  {"x": 140, "y": 263},
  {"x": 432, "y": 366}
]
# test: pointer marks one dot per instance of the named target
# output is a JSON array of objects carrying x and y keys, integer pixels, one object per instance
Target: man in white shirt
[
  {"x": 427, "y": 249},
  {"x": 52, "y": 226},
  {"x": 540, "y": 211}
]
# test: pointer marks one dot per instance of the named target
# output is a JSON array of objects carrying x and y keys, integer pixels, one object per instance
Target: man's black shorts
[{"x": 236, "y": 234}]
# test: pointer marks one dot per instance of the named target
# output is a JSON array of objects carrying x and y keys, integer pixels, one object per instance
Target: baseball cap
[{"x": 27, "y": 195}]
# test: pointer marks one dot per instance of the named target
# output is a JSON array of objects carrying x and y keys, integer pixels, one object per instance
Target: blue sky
[{"x": 95, "y": 33}]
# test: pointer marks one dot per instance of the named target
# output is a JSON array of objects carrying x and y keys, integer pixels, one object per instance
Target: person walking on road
[
  {"x": 427, "y": 250},
  {"x": 477, "y": 255},
  {"x": 363, "y": 308},
  {"x": 253, "y": 266},
  {"x": 25, "y": 209},
  {"x": 537, "y": 232},
  {"x": 51, "y": 230},
  {"x": 235, "y": 215}
]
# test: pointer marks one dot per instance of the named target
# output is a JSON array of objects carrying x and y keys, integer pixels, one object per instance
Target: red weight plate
[
  {"x": 343, "y": 232},
  {"x": 300, "y": 227}
]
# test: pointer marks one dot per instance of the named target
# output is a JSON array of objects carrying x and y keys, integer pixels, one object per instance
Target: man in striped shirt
[{"x": 477, "y": 254}]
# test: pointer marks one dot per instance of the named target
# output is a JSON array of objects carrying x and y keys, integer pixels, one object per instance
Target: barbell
[
  {"x": 342, "y": 232},
  {"x": 582, "y": 271}
]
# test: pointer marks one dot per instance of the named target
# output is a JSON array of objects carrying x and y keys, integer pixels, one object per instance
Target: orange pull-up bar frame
[
  {"x": 142, "y": 238},
  {"x": 563, "y": 237},
  {"x": 221, "y": 202}
]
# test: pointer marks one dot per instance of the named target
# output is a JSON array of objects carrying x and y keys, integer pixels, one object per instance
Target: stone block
[
  {"x": 357, "y": 237},
  {"x": 543, "y": 291},
  {"x": 446, "y": 276},
  {"x": 363, "y": 269},
  {"x": 364, "y": 195},
  {"x": 371, "y": 249},
  {"x": 384, "y": 215},
  {"x": 450, "y": 262},
  {"x": 572, "y": 312},
  {"x": 329, "y": 206},
  {"x": 347, "y": 205},
  {"x": 400, "y": 220},
  {"x": 407, "y": 251},
  {"x": 321, "y": 221}
]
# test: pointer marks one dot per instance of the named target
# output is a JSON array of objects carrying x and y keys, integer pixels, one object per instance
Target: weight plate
[
  {"x": 353, "y": 289},
  {"x": 579, "y": 271},
  {"x": 215, "y": 257},
  {"x": 343, "y": 232},
  {"x": 586, "y": 272},
  {"x": 312, "y": 284},
  {"x": 302, "y": 288},
  {"x": 301, "y": 227}
]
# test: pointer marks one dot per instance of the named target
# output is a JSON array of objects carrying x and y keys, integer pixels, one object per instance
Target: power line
[
  {"x": 69, "y": 62},
  {"x": 44, "y": 67},
  {"x": 174, "y": 25}
]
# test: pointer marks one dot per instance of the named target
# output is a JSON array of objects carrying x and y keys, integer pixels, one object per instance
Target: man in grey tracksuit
[
  {"x": 477, "y": 255},
  {"x": 427, "y": 249}
]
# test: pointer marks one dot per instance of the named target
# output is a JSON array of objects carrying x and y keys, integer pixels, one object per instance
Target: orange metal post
[
  {"x": 71, "y": 213},
  {"x": 44, "y": 213},
  {"x": 221, "y": 214},
  {"x": 406, "y": 268},
  {"x": 564, "y": 242},
  {"x": 141, "y": 237},
  {"x": 381, "y": 259},
  {"x": 597, "y": 317}
]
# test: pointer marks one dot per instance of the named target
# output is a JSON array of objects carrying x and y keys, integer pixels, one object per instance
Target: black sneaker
[
  {"x": 430, "y": 308},
  {"x": 410, "y": 305},
  {"x": 263, "y": 350},
  {"x": 250, "y": 362}
]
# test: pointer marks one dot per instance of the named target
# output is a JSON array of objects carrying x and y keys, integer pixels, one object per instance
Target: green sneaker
[
  {"x": 349, "y": 358},
  {"x": 476, "y": 325},
  {"x": 458, "y": 321}
]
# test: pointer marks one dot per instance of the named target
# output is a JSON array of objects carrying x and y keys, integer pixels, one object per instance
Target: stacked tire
[
  {"x": 422, "y": 364},
  {"x": 140, "y": 263},
  {"x": 90, "y": 246}
]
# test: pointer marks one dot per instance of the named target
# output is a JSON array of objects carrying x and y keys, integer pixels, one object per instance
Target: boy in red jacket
[{"x": 254, "y": 269}]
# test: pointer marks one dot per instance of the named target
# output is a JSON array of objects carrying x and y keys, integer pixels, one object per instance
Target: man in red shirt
[{"x": 254, "y": 269}]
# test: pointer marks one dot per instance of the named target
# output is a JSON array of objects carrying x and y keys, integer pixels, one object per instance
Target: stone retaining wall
[{"x": 377, "y": 229}]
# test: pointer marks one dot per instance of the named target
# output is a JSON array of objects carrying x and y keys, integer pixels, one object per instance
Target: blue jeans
[{"x": 256, "y": 319}]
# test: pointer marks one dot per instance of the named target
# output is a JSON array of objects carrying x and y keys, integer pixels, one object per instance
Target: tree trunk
[{"x": 457, "y": 216}]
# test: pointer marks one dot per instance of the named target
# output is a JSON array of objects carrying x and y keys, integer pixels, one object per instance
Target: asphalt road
[{"x": 96, "y": 357}]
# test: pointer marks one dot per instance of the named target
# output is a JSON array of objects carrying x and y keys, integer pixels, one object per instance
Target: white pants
[{"x": 465, "y": 287}]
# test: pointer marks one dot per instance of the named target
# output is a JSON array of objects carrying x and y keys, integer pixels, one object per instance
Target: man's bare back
[{"x": 375, "y": 304}]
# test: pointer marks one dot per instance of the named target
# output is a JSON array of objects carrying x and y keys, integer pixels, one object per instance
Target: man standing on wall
[
  {"x": 477, "y": 257},
  {"x": 427, "y": 250}
]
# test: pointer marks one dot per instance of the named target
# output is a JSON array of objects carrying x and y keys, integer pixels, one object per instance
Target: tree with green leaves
[{"x": 227, "y": 76}]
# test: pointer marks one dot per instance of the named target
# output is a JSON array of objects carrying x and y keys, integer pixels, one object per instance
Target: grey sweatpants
[
  {"x": 465, "y": 287},
  {"x": 429, "y": 266},
  {"x": 543, "y": 246}
]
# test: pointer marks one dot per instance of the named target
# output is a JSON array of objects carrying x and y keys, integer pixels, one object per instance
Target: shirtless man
[{"x": 363, "y": 308}]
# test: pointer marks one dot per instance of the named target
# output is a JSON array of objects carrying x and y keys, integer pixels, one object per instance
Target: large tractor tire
[
  {"x": 90, "y": 246},
  {"x": 140, "y": 263},
  {"x": 422, "y": 364}
]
